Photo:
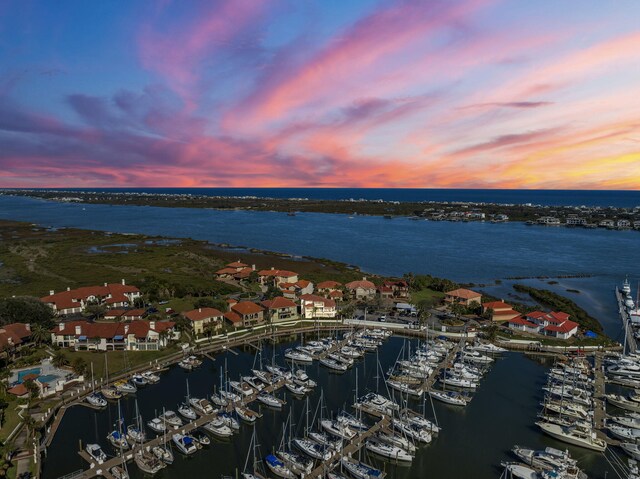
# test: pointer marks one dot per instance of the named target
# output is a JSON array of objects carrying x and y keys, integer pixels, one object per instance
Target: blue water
[
  {"x": 466, "y": 252},
  {"x": 26, "y": 372},
  {"x": 617, "y": 198},
  {"x": 48, "y": 378}
]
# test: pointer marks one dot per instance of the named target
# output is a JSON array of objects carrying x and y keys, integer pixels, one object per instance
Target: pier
[
  {"x": 599, "y": 400},
  {"x": 631, "y": 343}
]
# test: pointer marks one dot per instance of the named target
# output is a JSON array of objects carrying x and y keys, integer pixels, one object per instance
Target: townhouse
[{"x": 71, "y": 301}]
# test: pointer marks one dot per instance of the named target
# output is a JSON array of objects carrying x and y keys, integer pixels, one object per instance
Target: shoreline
[{"x": 610, "y": 218}]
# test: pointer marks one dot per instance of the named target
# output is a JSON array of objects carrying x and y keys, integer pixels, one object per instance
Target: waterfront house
[
  {"x": 125, "y": 314},
  {"x": 521, "y": 324},
  {"x": 274, "y": 277},
  {"x": 362, "y": 289},
  {"x": 14, "y": 337},
  {"x": 280, "y": 309},
  {"x": 135, "y": 336},
  {"x": 463, "y": 296},
  {"x": 606, "y": 223},
  {"x": 250, "y": 313},
  {"x": 549, "y": 221},
  {"x": 623, "y": 224},
  {"x": 555, "y": 323},
  {"x": 113, "y": 295},
  {"x": 573, "y": 220},
  {"x": 324, "y": 288},
  {"x": 397, "y": 290},
  {"x": 234, "y": 319},
  {"x": 500, "y": 311},
  {"x": 201, "y": 316},
  {"x": 313, "y": 306},
  {"x": 293, "y": 290},
  {"x": 636, "y": 225}
]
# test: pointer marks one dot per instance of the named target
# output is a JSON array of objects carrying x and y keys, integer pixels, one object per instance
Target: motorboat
[
  {"x": 96, "y": 400},
  {"x": 550, "y": 458},
  {"x": 229, "y": 420},
  {"x": 185, "y": 444},
  {"x": 150, "y": 377},
  {"x": 338, "y": 429},
  {"x": 449, "y": 397},
  {"x": 125, "y": 387},
  {"x": 201, "y": 437},
  {"x": 254, "y": 381},
  {"x": 517, "y": 470},
  {"x": 623, "y": 402},
  {"x": 201, "y": 406},
  {"x": 626, "y": 434},
  {"x": 296, "y": 389},
  {"x": 119, "y": 473},
  {"x": 378, "y": 403},
  {"x": 265, "y": 376},
  {"x": 157, "y": 425},
  {"x": 388, "y": 451},
  {"x": 242, "y": 388},
  {"x": 96, "y": 453},
  {"x": 458, "y": 382},
  {"x": 489, "y": 348},
  {"x": 218, "y": 400},
  {"x": 277, "y": 467},
  {"x": 171, "y": 418},
  {"x": 138, "y": 380},
  {"x": 627, "y": 421},
  {"x": 111, "y": 393},
  {"x": 217, "y": 427},
  {"x": 187, "y": 412},
  {"x": 583, "y": 437},
  {"x": 632, "y": 449}
]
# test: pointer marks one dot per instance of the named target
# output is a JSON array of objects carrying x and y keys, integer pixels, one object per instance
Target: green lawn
[
  {"x": 118, "y": 361},
  {"x": 11, "y": 419},
  {"x": 417, "y": 296}
]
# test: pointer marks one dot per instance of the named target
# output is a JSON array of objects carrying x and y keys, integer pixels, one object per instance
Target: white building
[{"x": 312, "y": 306}]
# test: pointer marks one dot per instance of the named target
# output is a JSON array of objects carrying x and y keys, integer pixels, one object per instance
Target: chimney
[
  {"x": 60, "y": 326},
  {"x": 123, "y": 283},
  {"x": 78, "y": 329},
  {"x": 364, "y": 278},
  {"x": 253, "y": 267},
  {"x": 152, "y": 325},
  {"x": 105, "y": 285},
  {"x": 51, "y": 292},
  {"x": 68, "y": 288},
  {"x": 27, "y": 327},
  {"x": 126, "y": 328},
  {"x": 272, "y": 268},
  {"x": 199, "y": 310}
]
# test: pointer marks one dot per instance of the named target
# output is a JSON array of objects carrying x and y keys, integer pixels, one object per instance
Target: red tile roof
[
  {"x": 19, "y": 390},
  {"x": 508, "y": 312},
  {"x": 523, "y": 322},
  {"x": 328, "y": 285},
  {"x": 233, "y": 317},
  {"x": 278, "y": 302},
  {"x": 246, "y": 307},
  {"x": 226, "y": 271},
  {"x": 302, "y": 283},
  {"x": 202, "y": 313},
  {"x": 109, "y": 330},
  {"x": 14, "y": 334},
  {"x": 496, "y": 305},
  {"x": 565, "y": 327},
  {"x": 463, "y": 293},
  {"x": 335, "y": 294},
  {"x": 363, "y": 284},
  {"x": 237, "y": 264},
  {"x": 277, "y": 272},
  {"x": 71, "y": 299},
  {"x": 536, "y": 315}
]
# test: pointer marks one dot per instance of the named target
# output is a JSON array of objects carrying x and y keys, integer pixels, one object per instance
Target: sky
[{"x": 538, "y": 94}]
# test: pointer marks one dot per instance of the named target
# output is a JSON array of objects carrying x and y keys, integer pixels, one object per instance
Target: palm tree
[
  {"x": 40, "y": 334},
  {"x": 60, "y": 359}
]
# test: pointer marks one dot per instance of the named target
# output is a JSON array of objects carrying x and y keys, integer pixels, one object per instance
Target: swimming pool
[
  {"x": 26, "y": 372},
  {"x": 49, "y": 378}
]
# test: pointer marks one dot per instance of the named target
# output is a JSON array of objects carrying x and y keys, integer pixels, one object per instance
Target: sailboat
[
  {"x": 185, "y": 410},
  {"x": 250, "y": 472},
  {"x": 109, "y": 392},
  {"x": 95, "y": 399}
]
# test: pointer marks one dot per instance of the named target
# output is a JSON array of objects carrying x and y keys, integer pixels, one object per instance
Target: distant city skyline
[{"x": 326, "y": 93}]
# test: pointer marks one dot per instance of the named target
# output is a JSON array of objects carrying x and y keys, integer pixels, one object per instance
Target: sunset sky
[{"x": 468, "y": 94}]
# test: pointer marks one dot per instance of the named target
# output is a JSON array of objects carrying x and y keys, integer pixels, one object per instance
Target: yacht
[
  {"x": 163, "y": 453},
  {"x": 333, "y": 364},
  {"x": 449, "y": 397},
  {"x": 388, "y": 451},
  {"x": 517, "y": 470},
  {"x": 351, "y": 421},
  {"x": 296, "y": 389},
  {"x": 151, "y": 377},
  {"x": 489, "y": 348},
  {"x": 242, "y": 388},
  {"x": 338, "y": 429},
  {"x": 623, "y": 402},
  {"x": 297, "y": 356},
  {"x": 147, "y": 462},
  {"x": 632, "y": 449},
  {"x": 201, "y": 406},
  {"x": 270, "y": 400},
  {"x": 583, "y": 437},
  {"x": 296, "y": 462},
  {"x": 138, "y": 380},
  {"x": 549, "y": 458},
  {"x": 397, "y": 440},
  {"x": 230, "y": 396},
  {"x": 279, "y": 371},
  {"x": 626, "y": 434},
  {"x": 229, "y": 420},
  {"x": 404, "y": 388},
  {"x": 135, "y": 435},
  {"x": 171, "y": 418},
  {"x": 119, "y": 473},
  {"x": 96, "y": 453},
  {"x": 111, "y": 392},
  {"x": 379, "y": 403},
  {"x": 201, "y": 438},
  {"x": 360, "y": 470},
  {"x": 125, "y": 387},
  {"x": 412, "y": 431},
  {"x": 187, "y": 412},
  {"x": 246, "y": 414},
  {"x": 185, "y": 444},
  {"x": 118, "y": 440},
  {"x": 326, "y": 440},
  {"x": 313, "y": 449}
]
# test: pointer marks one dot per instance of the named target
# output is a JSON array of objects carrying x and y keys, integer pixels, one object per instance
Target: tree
[
  {"x": 25, "y": 309},
  {"x": 164, "y": 336},
  {"x": 488, "y": 313},
  {"x": 32, "y": 387},
  {"x": 95, "y": 310},
  {"x": 490, "y": 332},
  {"x": 40, "y": 333},
  {"x": 272, "y": 292},
  {"x": 60, "y": 359},
  {"x": 458, "y": 309},
  {"x": 182, "y": 324},
  {"x": 348, "y": 310},
  {"x": 79, "y": 366}
]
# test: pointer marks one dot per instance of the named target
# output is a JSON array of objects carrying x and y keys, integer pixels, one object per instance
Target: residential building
[
  {"x": 463, "y": 296},
  {"x": 274, "y": 277},
  {"x": 202, "y": 316},
  {"x": 280, "y": 309},
  {"x": 555, "y": 323},
  {"x": 133, "y": 336},
  {"x": 500, "y": 311},
  {"x": 324, "y": 288},
  {"x": 520, "y": 324},
  {"x": 313, "y": 306},
  {"x": 573, "y": 220},
  {"x": 549, "y": 221},
  {"x": 236, "y": 270},
  {"x": 623, "y": 224},
  {"x": 607, "y": 224},
  {"x": 397, "y": 290},
  {"x": 362, "y": 289},
  {"x": 114, "y": 295},
  {"x": 250, "y": 313},
  {"x": 13, "y": 337},
  {"x": 293, "y": 290},
  {"x": 234, "y": 319}
]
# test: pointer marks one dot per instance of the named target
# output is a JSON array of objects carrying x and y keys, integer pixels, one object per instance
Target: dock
[
  {"x": 599, "y": 400},
  {"x": 631, "y": 345}
]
